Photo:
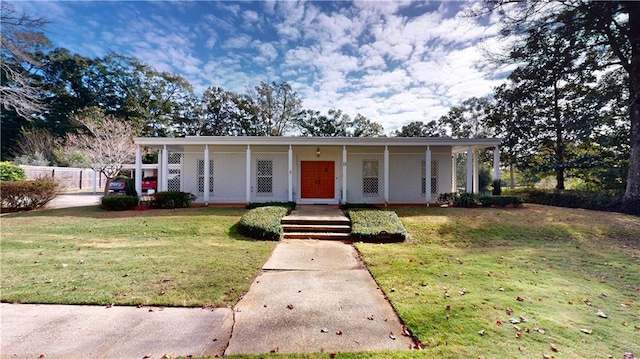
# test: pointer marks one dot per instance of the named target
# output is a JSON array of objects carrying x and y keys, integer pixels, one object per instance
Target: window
[
  {"x": 265, "y": 177},
  {"x": 201, "y": 176},
  {"x": 434, "y": 177},
  {"x": 370, "y": 177}
]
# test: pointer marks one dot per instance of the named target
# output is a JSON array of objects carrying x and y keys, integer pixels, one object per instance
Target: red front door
[{"x": 317, "y": 179}]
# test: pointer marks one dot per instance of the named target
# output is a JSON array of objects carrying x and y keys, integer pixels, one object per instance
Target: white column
[
  {"x": 454, "y": 173},
  {"x": 165, "y": 168},
  {"x": 476, "y": 182},
  {"x": 469, "y": 170},
  {"x": 386, "y": 175},
  {"x": 496, "y": 163},
  {"x": 290, "y": 174},
  {"x": 427, "y": 175},
  {"x": 248, "y": 179},
  {"x": 138, "y": 177},
  {"x": 344, "y": 174},
  {"x": 207, "y": 174}
]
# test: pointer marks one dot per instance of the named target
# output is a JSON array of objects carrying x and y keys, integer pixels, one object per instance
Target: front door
[{"x": 317, "y": 179}]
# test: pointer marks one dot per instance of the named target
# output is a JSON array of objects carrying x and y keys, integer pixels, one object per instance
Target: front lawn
[
  {"x": 464, "y": 274},
  {"x": 183, "y": 257}
]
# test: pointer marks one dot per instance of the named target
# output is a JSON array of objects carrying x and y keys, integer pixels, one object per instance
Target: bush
[
  {"x": 11, "y": 172},
  {"x": 500, "y": 201},
  {"x": 466, "y": 200},
  {"x": 290, "y": 206},
  {"x": 447, "y": 197},
  {"x": 367, "y": 224},
  {"x": 579, "y": 199},
  {"x": 130, "y": 188},
  {"x": 27, "y": 195},
  {"x": 171, "y": 199},
  {"x": 497, "y": 187},
  {"x": 119, "y": 202},
  {"x": 263, "y": 223}
]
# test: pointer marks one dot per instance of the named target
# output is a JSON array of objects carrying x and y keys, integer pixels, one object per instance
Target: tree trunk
[
  {"x": 512, "y": 179},
  {"x": 559, "y": 139},
  {"x": 633, "y": 176}
]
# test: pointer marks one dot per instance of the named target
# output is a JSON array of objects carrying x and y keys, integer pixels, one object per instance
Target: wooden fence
[{"x": 67, "y": 177}]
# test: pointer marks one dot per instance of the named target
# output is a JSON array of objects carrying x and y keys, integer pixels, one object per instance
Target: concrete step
[
  {"x": 317, "y": 235},
  {"x": 315, "y": 221},
  {"x": 318, "y": 228}
]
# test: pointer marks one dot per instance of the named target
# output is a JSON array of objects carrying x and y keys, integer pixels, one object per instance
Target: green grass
[
  {"x": 461, "y": 269},
  {"x": 184, "y": 257}
]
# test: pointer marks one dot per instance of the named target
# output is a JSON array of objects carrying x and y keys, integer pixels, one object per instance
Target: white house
[{"x": 378, "y": 170}]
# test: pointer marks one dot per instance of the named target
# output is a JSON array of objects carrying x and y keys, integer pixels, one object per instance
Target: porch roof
[{"x": 457, "y": 145}]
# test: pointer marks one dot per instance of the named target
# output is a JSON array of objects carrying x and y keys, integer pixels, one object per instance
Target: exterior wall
[{"x": 365, "y": 173}]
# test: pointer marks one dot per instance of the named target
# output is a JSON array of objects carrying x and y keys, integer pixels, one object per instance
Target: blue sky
[{"x": 392, "y": 61}]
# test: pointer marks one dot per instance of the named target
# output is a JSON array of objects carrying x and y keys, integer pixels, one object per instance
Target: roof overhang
[{"x": 178, "y": 143}]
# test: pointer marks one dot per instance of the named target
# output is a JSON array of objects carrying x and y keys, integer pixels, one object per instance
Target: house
[{"x": 327, "y": 170}]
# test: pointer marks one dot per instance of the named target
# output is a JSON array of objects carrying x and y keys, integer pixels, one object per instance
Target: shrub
[
  {"x": 500, "y": 201},
  {"x": 171, "y": 199},
  {"x": 447, "y": 197},
  {"x": 11, "y": 172},
  {"x": 466, "y": 200},
  {"x": 367, "y": 224},
  {"x": 118, "y": 202},
  {"x": 130, "y": 188},
  {"x": 578, "y": 199},
  {"x": 263, "y": 223},
  {"x": 27, "y": 195},
  {"x": 290, "y": 206}
]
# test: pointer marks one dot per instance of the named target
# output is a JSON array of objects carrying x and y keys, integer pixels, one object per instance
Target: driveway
[{"x": 75, "y": 200}]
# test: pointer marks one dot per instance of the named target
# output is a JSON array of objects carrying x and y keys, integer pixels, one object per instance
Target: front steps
[{"x": 316, "y": 222}]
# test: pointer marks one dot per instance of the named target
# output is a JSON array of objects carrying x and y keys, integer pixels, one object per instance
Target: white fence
[{"x": 67, "y": 177}]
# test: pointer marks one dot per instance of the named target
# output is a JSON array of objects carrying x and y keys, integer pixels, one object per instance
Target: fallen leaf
[
  {"x": 517, "y": 328},
  {"x": 553, "y": 347},
  {"x": 405, "y": 331},
  {"x": 167, "y": 356},
  {"x": 499, "y": 323},
  {"x": 274, "y": 350},
  {"x": 501, "y": 289},
  {"x": 332, "y": 355},
  {"x": 519, "y": 298},
  {"x": 448, "y": 307},
  {"x": 523, "y": 319},
  {"x": 625, "y": 305},
  {"x": 514, "y": 320},
  {"x": 601, "y": 314},
  {"x": 541, "y": 331},
  {"x": 339, "y": 332},
  {"x": 586, "y": 331},
  {"x": 147, "y": 356},
  {"x": 546, "y": 356},
  {"x": 628, "y": 356},
  {"x": 509, "y": 311},
  {"x": 324, "y": 330},
  {"x": 290, "y": 306},
  {"x": 370, "y": 317},
  {"x": 518, "y": 335},
  {"x": 481, "y": 332},
  {"x": 393, "y": 337}
]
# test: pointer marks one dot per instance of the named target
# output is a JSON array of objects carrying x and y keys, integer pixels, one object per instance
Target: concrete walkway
[{"x": 312, "y": 296}]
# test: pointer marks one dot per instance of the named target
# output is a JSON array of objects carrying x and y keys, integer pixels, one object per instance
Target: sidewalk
[{"x": 312, "y": 296}]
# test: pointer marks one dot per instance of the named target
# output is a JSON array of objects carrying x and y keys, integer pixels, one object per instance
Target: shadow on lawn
[{"x": 97, "y": 212}]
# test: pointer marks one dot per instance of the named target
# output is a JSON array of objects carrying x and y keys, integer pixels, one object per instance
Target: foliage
[
  {"x": 466, "y": 200},
  {"x": 334, "y": 124},
  {"x": 497, "y": 187},
  {"x": 278, "y": 107},
  {"x": 36, "y": 147},
  {"x": 500, "y": 201},
  {"x": 190, "y": 257},
  {"x": 469, "y": 119},
  {"x": 263, "y": 223},
  {"x": 579, "y": 199},
  {"x": 290, "y": 206},
  {"x": 447, "y": 197},
  {"x": 114, "y": 202},
  {"x": 11, "y": 172},
  {"x": 27, "y": 195},
  {"x": 421, "y": 129},
  {"x": 376, "y": 225},
  {"x": 172, "y": 199},
  {"x": 33, "y": 159}
]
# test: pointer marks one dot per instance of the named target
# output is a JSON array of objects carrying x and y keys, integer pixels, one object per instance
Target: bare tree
[
  {"x": 21, "y": 37},
  {"x": 105, "y": 143},
  {"x": 35, "y": 145}
]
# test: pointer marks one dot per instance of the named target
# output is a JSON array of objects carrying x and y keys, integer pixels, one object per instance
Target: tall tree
[
  {"x": 420, "y": 129},
  {"x": 364, "y": 127},
  {"x": 313, "y": 123},
  {"x": 279, "y": 107},
  {"x": 469, "y": 119},
  {"x": 606, "y": 33}
]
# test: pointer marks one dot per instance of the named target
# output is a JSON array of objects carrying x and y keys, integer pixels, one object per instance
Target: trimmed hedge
[
  {"x": 118, "y": 202},
  {"x": 466, "y": 200},
  {"x": 11, "y": 172},
  {"x": 27, "y": 195},
  {"x": 500, "y": 201},
  {"x": 171, "y": 199},
  {"x": 368, "y": 225},
  {"x": 263, "y": 223},
  {"x": 290, "y": 206},
  {"x": 579, "y": 199}
]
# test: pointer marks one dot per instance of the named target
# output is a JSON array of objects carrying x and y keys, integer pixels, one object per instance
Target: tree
[
  {"x": 364, "y": 127},
  {"x": 334, "y": 124},
  {"x": 20, "y": 90},
  {"x": 469, "y": 119},
  {"x": 605, "y": 33},
  {"x": 36, "y": 146},
  {"x": 104, "y": 142},
  {"x": 279, "y": 107},
  {"x": 421, "y": 129}
]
